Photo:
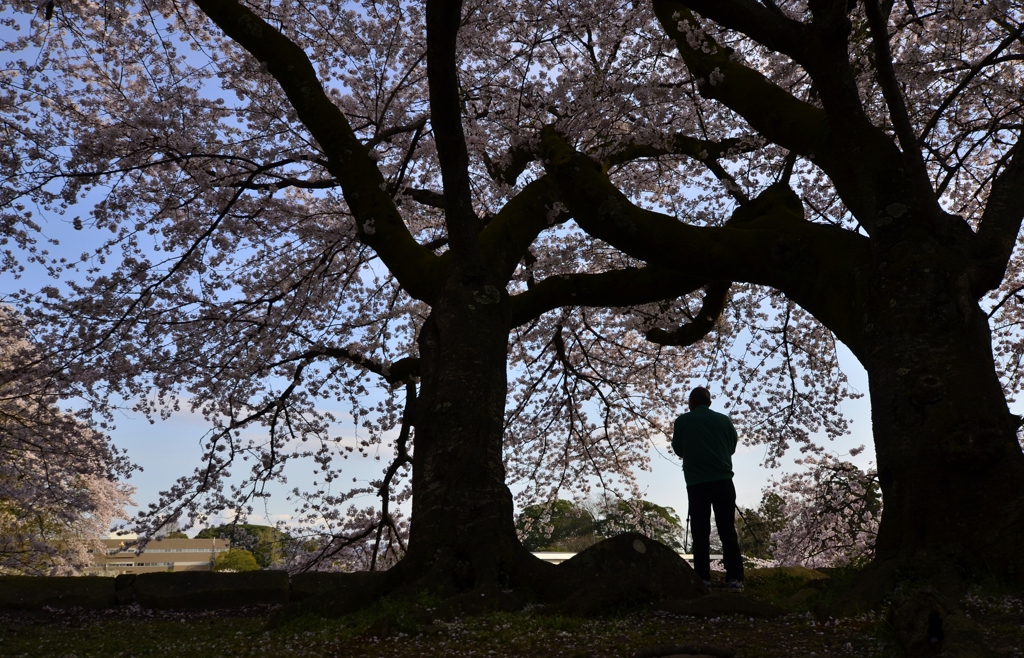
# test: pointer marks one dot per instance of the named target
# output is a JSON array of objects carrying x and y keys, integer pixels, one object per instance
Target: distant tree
[
  {"x": 566, "y": 526},
  {"x": 168, "y": 527},
  {"x": 557, "y": 526},
  {"x": 59, "y": 475},
  {"x": 832, "y": 511},
  {"x": 236, "y": 559},
  {"x": 643, "y": 516},
  {"x": 756, "y": 526},
  {"x": 266, "y": 543},
  {"x": 177, "y": 534}
]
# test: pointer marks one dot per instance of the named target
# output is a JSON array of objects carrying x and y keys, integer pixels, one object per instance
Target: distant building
[{"x": 119, "y": 557}]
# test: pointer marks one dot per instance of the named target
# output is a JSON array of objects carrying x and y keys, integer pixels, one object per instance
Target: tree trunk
[
  {"x": 949, "y": 461},
  {"x": 463, "y": 532}
]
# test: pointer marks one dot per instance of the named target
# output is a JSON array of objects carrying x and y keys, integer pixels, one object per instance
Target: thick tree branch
[
  {"x": 380, "y": 225},
  {"x": 401, "y": 459},
  {"x": 437, "y": 243},
  {"x": 508, "y": 236},
  {"x": 697, "y": 149},
  {"x": 297, "y": 183},
  {"x": 715, "y": 297},
  {"x": 1001, "y": 221},
  {"x": 771, "y": 244},
  {"x": 864, "y": 164},
  {"x": 626, "y": 287},
  {"x": 425, "y": 197},
  {"x": 518, "y": 159},
  {"x": 897, "y": 106},
  {"x": 771, "y": 29},
  {"x": 772, "y": 111},
  {"x": 388, "y": 133},
  {"x": 887, "y": 77},
  {"x": 402, "y": 371},
  {"x": 716, "y": 294},
  {"x": 821, "y": 48},
  {"x": 443, "y": 19},
  {"x": 703, "y": 150},
  {"x": 405, "y": 371}
]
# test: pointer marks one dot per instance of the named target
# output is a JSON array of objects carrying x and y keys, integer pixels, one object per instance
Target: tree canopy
[
  {"x": 60, "y": 485},
  {"x": 756, "y": 526},
  {"x": 241, "y": 280},
  {"x": 561, "y": 526},
  {"x": 236, "y": 559},
  {"x": 266, "y": 544},
  {"x": 565, "y": 526},
  {"x": 307, "y": 201},
  {"x": 645, "y": 517},
  {"x": 825, "y": 516}
]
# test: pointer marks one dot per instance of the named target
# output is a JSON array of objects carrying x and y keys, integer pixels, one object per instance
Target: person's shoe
[{"x": 735, "y": 586}]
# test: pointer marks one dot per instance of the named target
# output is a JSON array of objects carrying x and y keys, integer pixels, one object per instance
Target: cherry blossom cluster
[
  {"x": 60, "y": 477},
  {"x": 832, "y": 510}
]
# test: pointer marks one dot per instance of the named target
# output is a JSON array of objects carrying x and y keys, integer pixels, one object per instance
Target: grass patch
[
  {"x": 535, "y": 632},
  {"x": 83, "y": 634}
]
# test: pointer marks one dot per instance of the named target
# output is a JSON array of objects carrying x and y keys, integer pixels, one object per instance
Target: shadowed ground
[{"x": 421, "y": 629}]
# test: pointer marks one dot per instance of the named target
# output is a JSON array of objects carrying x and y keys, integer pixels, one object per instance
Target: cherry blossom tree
[
  {"x": 59, "y": 475},
  {"x": 901, "y": 126},
  {"x": 310, "y": 201},
  {"x": 831, "y": 511},
  {"x": 327, "y": 235}
]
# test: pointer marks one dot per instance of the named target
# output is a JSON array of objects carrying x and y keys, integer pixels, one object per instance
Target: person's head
[{"x": 700, "y": 397}]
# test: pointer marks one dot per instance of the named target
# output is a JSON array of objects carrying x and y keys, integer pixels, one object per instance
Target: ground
[{"x": 392, "y": 629}]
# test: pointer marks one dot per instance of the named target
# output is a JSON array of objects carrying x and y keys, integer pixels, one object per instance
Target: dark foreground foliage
[{"x": 411, "y": 629}]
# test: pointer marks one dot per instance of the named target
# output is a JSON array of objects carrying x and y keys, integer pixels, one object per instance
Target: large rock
[
  {"x": 28, "y": 592},
  {"x": 207, "y": 589},
  {"x": 624, "y": 570}
]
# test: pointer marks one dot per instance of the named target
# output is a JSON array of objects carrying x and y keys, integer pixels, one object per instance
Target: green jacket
[{"x": 706, "y": 440}]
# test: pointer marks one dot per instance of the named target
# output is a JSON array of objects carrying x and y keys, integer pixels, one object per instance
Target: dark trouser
[{"x": 720, "y": 495}]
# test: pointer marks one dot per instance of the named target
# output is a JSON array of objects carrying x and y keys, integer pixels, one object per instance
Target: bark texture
[
  {"x": 950, "y": 465},
  {"x": 463, "y": 530}
]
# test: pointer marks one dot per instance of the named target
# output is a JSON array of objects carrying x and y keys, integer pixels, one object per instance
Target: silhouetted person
[{"x": 706, "y": 441}]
